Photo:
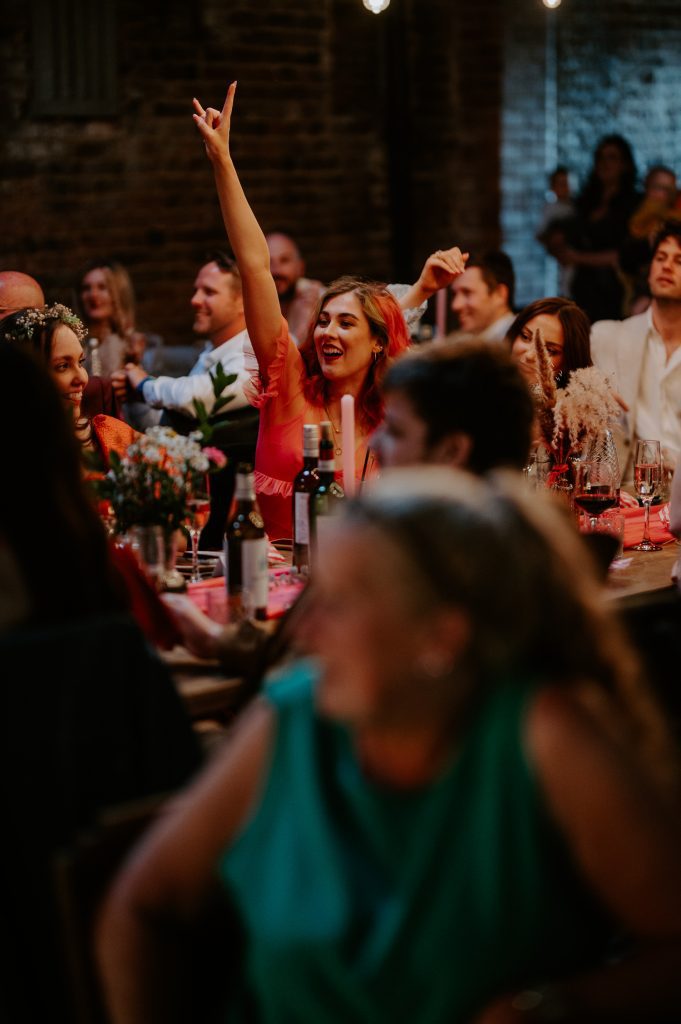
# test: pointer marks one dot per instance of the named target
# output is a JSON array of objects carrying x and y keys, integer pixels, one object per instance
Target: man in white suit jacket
[{"x": 642, "y": 357}]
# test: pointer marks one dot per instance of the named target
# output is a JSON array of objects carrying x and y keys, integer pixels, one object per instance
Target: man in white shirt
[
  {"x": 218, "y": 316},
  {"x": 483, "y": 297},
  {"x": 642, "y": 357}
]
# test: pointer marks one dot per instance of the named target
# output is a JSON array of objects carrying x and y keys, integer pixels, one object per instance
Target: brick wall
[
  {"x": 616, "y": 71},
  {"x": 374, "y": 140},
  {"x": 356, "y": 133}
]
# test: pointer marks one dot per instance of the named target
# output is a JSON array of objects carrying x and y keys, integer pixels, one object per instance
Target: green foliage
[{"x": 220, "y": 380}]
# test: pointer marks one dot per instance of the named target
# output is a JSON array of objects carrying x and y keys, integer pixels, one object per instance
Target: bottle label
[
  {"x": 244, "y": 489},
  {"x": 254, "y": 575},
  {"x": 326, "y": 465},
  {"x": 301, "y": 518}
]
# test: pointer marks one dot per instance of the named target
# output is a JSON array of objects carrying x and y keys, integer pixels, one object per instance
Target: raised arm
[
  {"x": 261, "y": 302},
  {"x": 438, "y": 272}
]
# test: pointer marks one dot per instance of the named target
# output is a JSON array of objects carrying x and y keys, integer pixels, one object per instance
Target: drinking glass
[
  {"x": 198, "y": 511},
  {"x": 536, "y": 472},
  {"x": 595, "y": 489},
  {"x": 647, "y": 473}
]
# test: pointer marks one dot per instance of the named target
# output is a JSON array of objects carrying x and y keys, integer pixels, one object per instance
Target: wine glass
[
  {"x": 595, "y": 489},
  {"x": 198, "y": 511},
  {"x": 647, "y": 475}
]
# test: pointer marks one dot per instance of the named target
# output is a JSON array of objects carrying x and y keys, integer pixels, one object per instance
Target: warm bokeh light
[
  {"x": 376, "y": 6},
  {"x": 551, "y": 3}
]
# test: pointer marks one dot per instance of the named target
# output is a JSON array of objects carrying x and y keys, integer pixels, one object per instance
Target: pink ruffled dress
[{"x": 279, "y": 451}]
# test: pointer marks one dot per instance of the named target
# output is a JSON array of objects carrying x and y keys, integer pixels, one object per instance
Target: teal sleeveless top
[{"x": 366, "y": 904}]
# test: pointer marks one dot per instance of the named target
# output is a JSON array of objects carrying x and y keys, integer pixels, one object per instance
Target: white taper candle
[{"x": 348, "y": 435}]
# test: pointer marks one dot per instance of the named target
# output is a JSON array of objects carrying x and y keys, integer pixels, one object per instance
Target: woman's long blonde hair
[
  {"x": 517, "y": 567},
  {"x": 120, "y": 287}
]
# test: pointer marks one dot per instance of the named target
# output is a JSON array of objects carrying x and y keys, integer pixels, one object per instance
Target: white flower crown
[{"x": 32, "y": 320}]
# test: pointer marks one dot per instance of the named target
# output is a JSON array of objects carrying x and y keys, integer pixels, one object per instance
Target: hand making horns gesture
[{"x": 214, "y": 125}]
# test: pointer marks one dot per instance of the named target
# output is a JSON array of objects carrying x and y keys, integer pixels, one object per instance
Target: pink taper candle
[
  {"x": 441, "y": 313},
  {"x": 348, "y": 435}
]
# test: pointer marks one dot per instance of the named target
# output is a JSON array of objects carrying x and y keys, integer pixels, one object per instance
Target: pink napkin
[{"x": 633, "y": 526}]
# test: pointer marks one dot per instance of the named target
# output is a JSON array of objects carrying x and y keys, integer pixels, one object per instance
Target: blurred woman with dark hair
[{"x": 565, "y": 330}]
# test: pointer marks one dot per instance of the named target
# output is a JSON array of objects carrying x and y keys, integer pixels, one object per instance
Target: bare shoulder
[{"x": 613, "y": 818}]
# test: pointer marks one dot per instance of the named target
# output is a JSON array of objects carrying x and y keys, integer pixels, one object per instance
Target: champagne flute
[
  {"x": 198, "y": 511},
  {"x": 595, "y": 490},
  {"x": 647, "y": 474}
]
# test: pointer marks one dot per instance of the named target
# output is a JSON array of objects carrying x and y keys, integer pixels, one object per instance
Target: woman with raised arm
[{"x": 359, "y": 326}]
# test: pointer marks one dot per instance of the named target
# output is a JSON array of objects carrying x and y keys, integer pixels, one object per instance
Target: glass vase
[
  {"x": 148, "y": 546},
  {"x": 602, "y": 448},
  {"x": 156, "y": 551},
  {"x": 562, "y": 487},
  {"x": 171, "y": 578}
]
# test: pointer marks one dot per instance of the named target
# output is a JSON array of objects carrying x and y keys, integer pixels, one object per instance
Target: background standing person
[
  {"x": 358, "y": 328},
  {"x": 595, "y": 237},
  {"x": 454, "y": 803},
  {"x": 659, "y": 204}
]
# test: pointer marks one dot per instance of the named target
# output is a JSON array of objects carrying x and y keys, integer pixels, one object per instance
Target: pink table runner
[{"x": 211, "y": 596}]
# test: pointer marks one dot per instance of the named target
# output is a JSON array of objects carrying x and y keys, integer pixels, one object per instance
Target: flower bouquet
[
  {"x": 152, "y": 483},
  {"x": 574, "y": 417}
]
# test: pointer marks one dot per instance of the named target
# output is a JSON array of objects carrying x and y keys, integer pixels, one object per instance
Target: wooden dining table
[
  {"x": 642, "y": 572},
  {"x": 207, "y": 692}
]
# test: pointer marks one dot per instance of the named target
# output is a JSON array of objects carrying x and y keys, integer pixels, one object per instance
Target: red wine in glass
[{"x": 596, "y": 500}]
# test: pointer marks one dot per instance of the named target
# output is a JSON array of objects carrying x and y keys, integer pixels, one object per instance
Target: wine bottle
[
  {"x": 327, "y": 496},
  {"x": 246, "y": 552},
  {"x": 303, "y": 486}
]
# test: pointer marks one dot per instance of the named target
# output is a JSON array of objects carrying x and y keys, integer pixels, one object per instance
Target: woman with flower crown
[
  {"x": 56, "y": 335},
  {"x": 358, "y": 328}
]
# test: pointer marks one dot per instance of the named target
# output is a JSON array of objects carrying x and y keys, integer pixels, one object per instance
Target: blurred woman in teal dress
[{"x": 443, "y": 814}]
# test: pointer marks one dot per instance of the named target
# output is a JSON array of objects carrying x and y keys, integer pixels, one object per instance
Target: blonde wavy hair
[
  {"x": 120, "y": 287},
  {"x": 517, "y": 567}
]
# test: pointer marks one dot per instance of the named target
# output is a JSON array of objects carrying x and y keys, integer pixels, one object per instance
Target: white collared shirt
[
  {"x": 178, "y": 393},
  {"x": 658, "y": 406}
]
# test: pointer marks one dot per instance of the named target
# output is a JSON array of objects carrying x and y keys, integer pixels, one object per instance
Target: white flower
[{"x": 585, "y": 407}]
